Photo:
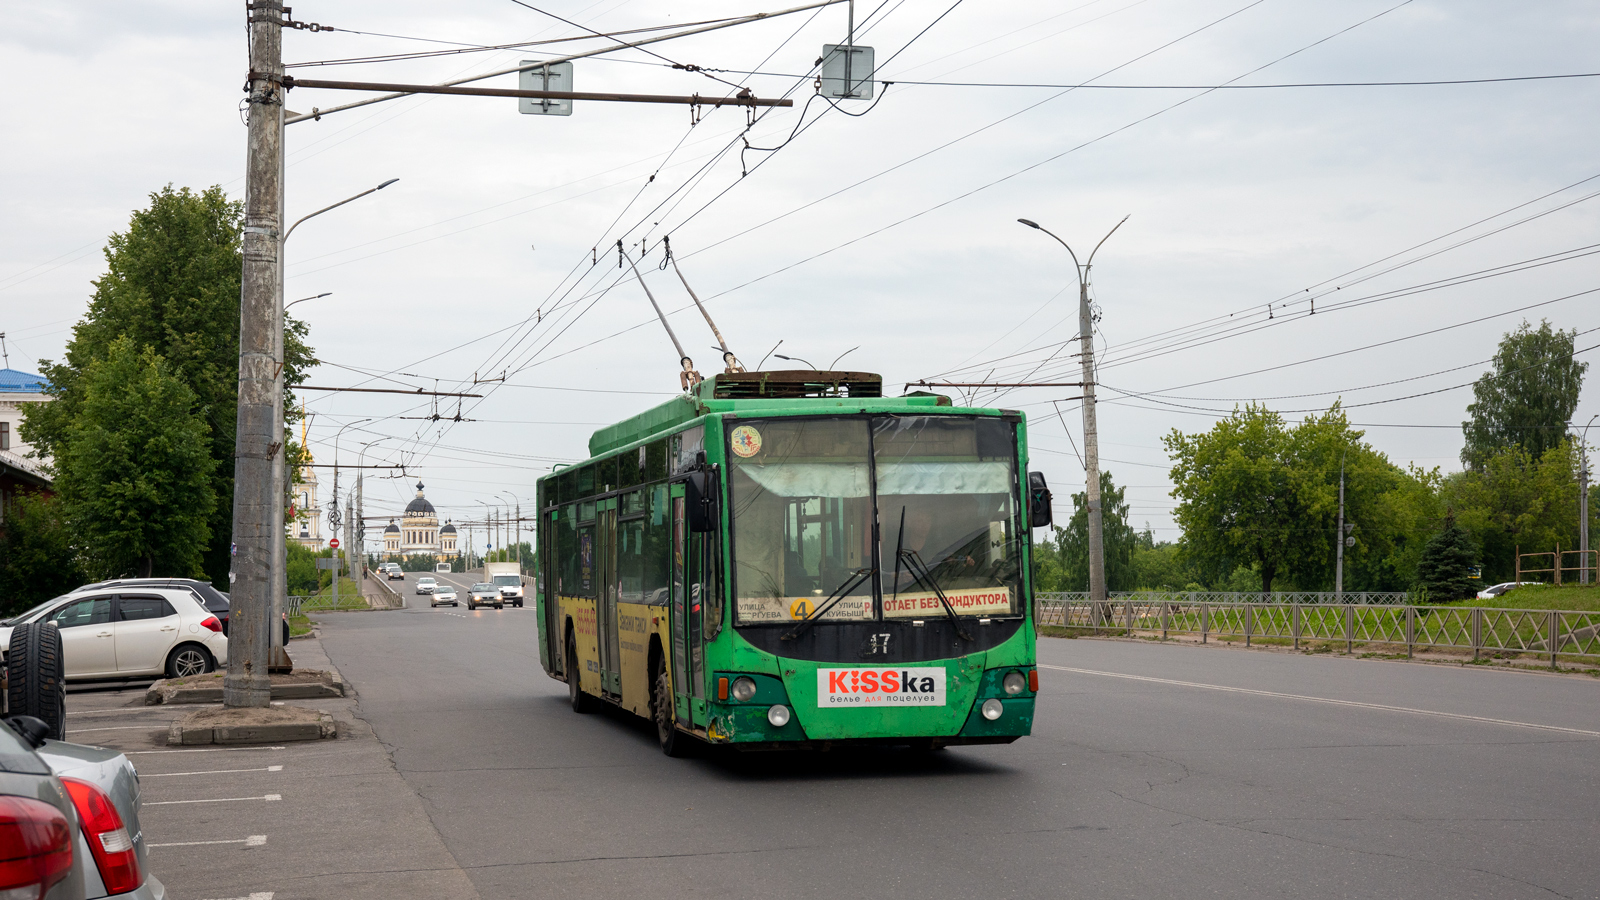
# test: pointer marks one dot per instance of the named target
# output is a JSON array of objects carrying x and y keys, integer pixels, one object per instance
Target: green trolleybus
[{"x": 786, "y": 559}]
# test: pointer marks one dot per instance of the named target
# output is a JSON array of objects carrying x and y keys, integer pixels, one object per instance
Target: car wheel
[
  {"x": 471, "y": 606},
  {"x": 518, "y": 604},
  {"x": 499, "y": 606},
  {"x": 189, "y": 659},
  {"x": 673, "y": 742},
  {"x": 581, "y": 703},
  {"x": 36, "y": 676}
]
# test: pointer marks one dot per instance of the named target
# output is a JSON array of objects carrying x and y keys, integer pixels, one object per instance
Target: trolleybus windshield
[{"x": 803, "y": 496}]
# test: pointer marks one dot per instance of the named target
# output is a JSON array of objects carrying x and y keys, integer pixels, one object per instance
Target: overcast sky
[{"x": 893, "y": 230}]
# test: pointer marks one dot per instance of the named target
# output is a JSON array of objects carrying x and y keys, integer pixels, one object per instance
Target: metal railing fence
[
  {"x": 1365, "y": 598},
  {"x": 1485, "y": 631}
]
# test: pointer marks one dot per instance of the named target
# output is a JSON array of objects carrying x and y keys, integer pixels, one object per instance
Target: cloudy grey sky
[{"x": 893, "y": 230}]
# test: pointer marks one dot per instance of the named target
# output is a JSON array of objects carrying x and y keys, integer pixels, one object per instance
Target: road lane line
[
  {"x": 122, "y": 727},
  {"x": 255, "y": 895},
  {"x": 254, "y": 840},
  {"x": 201, "y": 750},
  {"x": 143, "y": 775},
  {"x": 267, "y": 797},
  {"x": 1355, "y": 703}
]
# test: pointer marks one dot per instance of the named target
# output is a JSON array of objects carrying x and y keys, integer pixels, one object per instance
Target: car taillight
[
  {"x": 35, "y": 847},
  {"x": 108, "y": 838},
  {"x": 212, "y": 623}
]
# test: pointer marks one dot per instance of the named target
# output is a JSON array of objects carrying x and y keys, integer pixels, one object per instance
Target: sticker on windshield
[
  {"x": 965, "y": 602},
  {"x": 746, "y": 441},
  {"x": 921, "y": 686}
]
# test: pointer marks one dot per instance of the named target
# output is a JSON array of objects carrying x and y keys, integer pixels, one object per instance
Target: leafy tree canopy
[
  {"x": 135, "y": 474},
  {"x": 1528, "y": 397},
  {"x": 37, "y": 559},
  {"x": 172, "y": 286}
]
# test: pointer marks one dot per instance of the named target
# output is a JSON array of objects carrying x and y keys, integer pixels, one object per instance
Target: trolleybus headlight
[
  {"x": 1014, "y": 683},
  {"x": 992, "y": 709},
  {"x": 743, "y": 688},
  {"x": 778, "y": 716}
]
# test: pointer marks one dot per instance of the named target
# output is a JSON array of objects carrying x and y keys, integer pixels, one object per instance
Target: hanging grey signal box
[
  {"x": 553, "y": 77},
  {"x": 833, "y": 72}
]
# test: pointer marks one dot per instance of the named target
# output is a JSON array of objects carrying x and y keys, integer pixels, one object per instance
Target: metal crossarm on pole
[
  {"x": 743, "y": 98},
  {"x": 742, "y": 20}
]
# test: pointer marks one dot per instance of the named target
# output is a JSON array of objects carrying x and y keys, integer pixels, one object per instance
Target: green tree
[
  {"x": 171, "y": 285},
  {"x": 1517, "y": 503},
  {"x": 1445, "y": 570},
  {"x": 135, "y": 477},
  {"x": 1120, "y": 540},
  {"x": 1528, "y": 397},
  {"x": 37, "y": 559}
]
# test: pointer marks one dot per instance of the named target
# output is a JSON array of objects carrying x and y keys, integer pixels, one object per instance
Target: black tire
[
  {"x": 674, "y": 743},
  {"x": 35, "y": 669},
  {"x": 499, "y": 606},
  {"x": 581, "y": 702},
  {"x": 189, "y": 659},
  {"x": 471, "y": 606},
  {"x": 519, "y": 604}
]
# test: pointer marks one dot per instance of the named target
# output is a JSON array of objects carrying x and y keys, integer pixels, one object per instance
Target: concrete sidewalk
[{"x": 329, "y": 818}]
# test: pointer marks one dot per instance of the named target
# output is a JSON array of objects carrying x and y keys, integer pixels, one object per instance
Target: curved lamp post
[{"x": 1091, "y": 443}]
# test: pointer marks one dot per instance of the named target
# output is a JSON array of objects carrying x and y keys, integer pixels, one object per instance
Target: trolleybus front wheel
[{"x": 673, "y": 742}]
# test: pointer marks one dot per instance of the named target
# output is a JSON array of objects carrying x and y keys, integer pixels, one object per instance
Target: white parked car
[
  {"x": 130, "y": 632},
  {"x": 443, "y": 594},
  {"x": 485, "y": 594},
  {"x": 426, "y": 584}
]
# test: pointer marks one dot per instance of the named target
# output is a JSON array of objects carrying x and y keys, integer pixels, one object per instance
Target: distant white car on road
[
  {"x": 426, "y": 584},
  {"x": 443, "y": 594},
  {"x": 126, "y": 632}
]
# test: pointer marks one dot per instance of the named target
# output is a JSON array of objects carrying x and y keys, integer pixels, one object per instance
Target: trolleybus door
[
  {"x": 688, "y": 595},
  {"x": 549, "y": 585},
  {"x": 606, "y": 570}
]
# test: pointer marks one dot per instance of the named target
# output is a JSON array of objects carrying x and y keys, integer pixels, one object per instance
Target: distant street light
[
  {"x": 304, "y": 299},
  {"x": 1091, "y": 443}
]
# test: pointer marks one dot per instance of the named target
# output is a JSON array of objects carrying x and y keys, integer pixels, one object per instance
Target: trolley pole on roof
[{"x": 1091, "y": 437}]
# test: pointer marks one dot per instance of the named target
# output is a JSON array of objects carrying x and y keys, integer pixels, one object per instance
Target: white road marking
[
  {"x": 143, "y": 775},
  {"x": 121, "y": 727},
  {"x": 254, "y": 840},
  {"x": 1355, "y": 703},
  {"x": 257, "y": 895},
  {"x": 268, "y": 797},
  {"x": 202, "y": 750}
]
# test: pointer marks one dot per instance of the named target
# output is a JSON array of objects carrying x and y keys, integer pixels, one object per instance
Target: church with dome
[{"x": 418, "y": 533}]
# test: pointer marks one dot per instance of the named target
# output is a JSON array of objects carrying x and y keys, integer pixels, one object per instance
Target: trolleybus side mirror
[
  {"x": 1039, "y": 513},
  {"x": 697, "y": 502}
]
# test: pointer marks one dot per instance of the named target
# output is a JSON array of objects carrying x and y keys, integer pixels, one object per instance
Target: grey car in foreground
[{"x": 69, "y": 820}]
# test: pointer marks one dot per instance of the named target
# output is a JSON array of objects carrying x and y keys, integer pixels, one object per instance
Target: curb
[
  {"x": 162, "y": 692},
  {"x": 187, "y": 733}
]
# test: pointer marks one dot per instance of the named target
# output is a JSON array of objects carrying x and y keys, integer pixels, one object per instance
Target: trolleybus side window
[
  {"x": 585, "y": 485},
  {"x": 630, "y": 548},
  {"x": 657, "y": 537}
]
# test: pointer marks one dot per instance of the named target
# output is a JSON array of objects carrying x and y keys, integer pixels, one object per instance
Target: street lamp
[
  {"x": 304, "y": 299},
  {"x": 1091, "y": 443},
  {"x": 518, "y": 526},
  {"x": 361, "y": 506},
  {"x": 487, "y": 540}
]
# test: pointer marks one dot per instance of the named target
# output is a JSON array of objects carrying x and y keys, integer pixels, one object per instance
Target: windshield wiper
[
  {"x": 919, "y": 573},
  {"x": 843, "y": 591}
]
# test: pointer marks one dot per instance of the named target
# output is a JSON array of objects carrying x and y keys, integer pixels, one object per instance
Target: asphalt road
[{"x": 1153, "y": 771}]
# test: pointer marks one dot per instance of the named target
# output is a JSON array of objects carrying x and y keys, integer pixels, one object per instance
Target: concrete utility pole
[
  {"x": 1584, "y": 562},
  {"x": 1091, "y": 441},
  {"x": 257, "y": 532}
]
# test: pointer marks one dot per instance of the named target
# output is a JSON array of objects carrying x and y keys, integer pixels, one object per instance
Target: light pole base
[
  {"x": 281, "y": 663},
  {"x": 246, "y": 690}
]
